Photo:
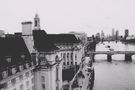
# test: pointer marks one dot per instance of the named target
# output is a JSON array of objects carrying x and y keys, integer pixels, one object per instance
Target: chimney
[
  {"x": 27, "y": 28},
  {"x": 2, "y": 33}
]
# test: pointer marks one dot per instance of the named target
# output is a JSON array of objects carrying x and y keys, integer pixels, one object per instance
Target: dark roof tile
[
  {"x": 63, "y": 38},
  {"x": 41, "y": 41},
  {"x": 13, "y": 47}
]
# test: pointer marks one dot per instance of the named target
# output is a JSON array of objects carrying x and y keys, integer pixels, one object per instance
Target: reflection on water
[{"x": 117, "y": 75}]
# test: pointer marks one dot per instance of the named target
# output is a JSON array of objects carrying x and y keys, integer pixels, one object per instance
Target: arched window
[
  {"x": 35, "y": 22},
  {"x": 75, "y": 56},
  {"x": 64, "y": 56},
  {"x": 57, "y": 58},
  {"x": 71, "y": 56},
  {"x": 67, "y": 56}
]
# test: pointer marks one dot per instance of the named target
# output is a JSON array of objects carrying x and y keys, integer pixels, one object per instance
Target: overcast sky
[{"x": 59, "y": 16}]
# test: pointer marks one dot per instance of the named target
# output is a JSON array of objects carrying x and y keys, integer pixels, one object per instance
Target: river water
[{"x": 115, "y": 75}]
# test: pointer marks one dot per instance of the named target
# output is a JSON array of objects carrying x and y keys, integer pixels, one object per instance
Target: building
[
  {"x": 34, "y": 60},
  {"x": 126, "y": 33},
  {"x": 113, "y": 34},
  {"x": 117, "y": 35},
  {"x": 16, "y": 67},
  {"x": 80, "y": 35},
  {"x": 70, "y": 48},
  {"x": 102, "y": 35}
]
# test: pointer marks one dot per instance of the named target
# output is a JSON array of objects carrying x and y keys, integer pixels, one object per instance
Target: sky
[{"x": 62, "y": 16}]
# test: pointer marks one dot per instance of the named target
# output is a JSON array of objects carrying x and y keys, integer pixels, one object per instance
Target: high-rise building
[
  {"x": 117, "y": 35},
  {"x": 102, "y": 34},
  {"x": 113, "y": 34},
  {"x": 126, "y": 33}
]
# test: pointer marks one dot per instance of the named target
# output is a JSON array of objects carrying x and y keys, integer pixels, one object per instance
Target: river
[{"x": 115, "y": 75}]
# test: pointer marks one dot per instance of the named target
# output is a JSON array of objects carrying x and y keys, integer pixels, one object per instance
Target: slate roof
[
  {"x": 41, "y": 41},
  {"x": 46, "y": 42},
  {"x": 13, "y": 47},
  {"x": 63, "y": 38}
]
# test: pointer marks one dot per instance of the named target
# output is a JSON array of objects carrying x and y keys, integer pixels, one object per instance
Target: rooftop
[{"x": 13, "y": 51}]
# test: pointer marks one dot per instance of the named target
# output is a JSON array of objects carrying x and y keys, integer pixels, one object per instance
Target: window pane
[{"x": 42, "y": 78}]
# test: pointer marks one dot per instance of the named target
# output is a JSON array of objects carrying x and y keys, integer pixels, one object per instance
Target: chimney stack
[{"x": 27, "y": 28}]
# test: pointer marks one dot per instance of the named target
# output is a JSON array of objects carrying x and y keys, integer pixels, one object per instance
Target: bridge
[{"x": 128, "y": 54}]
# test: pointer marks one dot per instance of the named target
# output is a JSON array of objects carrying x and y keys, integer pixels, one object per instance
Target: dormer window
[
  {"x": 23, "y": 56},
  {"x": 4, "y": 74},
  {"x": 13, "y": 70},
  {"x": 8, "y": 59}
]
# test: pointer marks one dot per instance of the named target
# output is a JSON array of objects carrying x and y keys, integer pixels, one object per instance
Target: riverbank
[
  {"x": 115, "y": 75},
  {"x": 85, "y": 78}
]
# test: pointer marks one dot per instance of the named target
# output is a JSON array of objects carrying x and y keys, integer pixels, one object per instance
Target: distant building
[
  {"x": 82, "y": 36},
  {"x": 98, "y": 35},
  {"x": 102, "y": 34},
  {"x": 16, "y": 67},
  {"x": 126, "y": 33},
  {"x": 117, "y": 35},
  {"x": 71, "y": 48},
  {"x": 113, "y": 34}
]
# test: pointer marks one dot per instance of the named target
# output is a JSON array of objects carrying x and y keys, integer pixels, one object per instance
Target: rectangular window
[
  {"x": 32, "y": 88},
  {"x": 75, "y": 57},
  {"x": 43, "y": 86},
  {"x": 64, "y": 56},
  {"x": 67, "y": 63},
  {"x": 21, "y": 87},
  {"x": 63, "y": 63},
  {"x": 67, "y": 56},
  {"x": 71, "y": 56},
  {"x": 61, "y": 54},
  {"x": 71, "y": 63},
  {"x": 42, "y": 78},
  {"x": 57, "y": 74},
  {"x": 32, "y": 80},
  {"x": 27, "y": 83}
]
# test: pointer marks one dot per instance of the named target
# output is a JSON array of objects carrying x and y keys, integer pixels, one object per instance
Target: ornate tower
[
  {"x": 36, "y": 22},
  {"x": 48, "y": 73}
]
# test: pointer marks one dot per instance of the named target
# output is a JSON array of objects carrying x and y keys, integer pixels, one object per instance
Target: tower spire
[{"x": 36, "y": 22}]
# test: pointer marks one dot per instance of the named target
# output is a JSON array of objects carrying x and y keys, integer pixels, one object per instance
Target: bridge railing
[{"x": 111, "y": 52}]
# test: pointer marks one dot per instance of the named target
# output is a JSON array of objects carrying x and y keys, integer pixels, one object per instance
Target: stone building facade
[{"x": 34, "y": 60}]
